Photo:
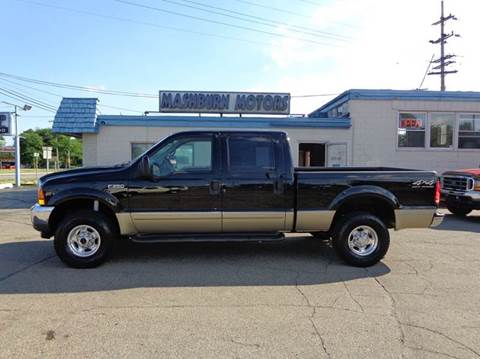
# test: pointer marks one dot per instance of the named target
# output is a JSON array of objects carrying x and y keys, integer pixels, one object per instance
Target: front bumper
[
  {"x": 469, "y": 199},
  {"x": 437, "y": 219},
  {"x": 40, "y": 216}
]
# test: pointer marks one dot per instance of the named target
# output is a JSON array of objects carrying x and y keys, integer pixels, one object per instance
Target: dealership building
[{"x": 395, "y": 128}]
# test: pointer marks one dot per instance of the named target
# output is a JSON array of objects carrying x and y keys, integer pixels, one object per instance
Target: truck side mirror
[{"x": 144, "y": 168}]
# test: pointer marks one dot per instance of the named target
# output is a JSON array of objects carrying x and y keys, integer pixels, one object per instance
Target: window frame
[
  {"x": 459, "y": 114},
  {"x": 454, "y": 146},
  {"x": 397, "y": 127}
]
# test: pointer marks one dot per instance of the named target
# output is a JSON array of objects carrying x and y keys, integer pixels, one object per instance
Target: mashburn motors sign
[{"x": 225, "y": 102}]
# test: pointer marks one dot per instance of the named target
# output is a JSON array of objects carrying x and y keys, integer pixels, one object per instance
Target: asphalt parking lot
[{"x": 291, "y": 299}]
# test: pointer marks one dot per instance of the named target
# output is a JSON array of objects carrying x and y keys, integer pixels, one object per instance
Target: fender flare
[
  {"x": 358, "y": 192},
  {"x": 85, "y": 193}
]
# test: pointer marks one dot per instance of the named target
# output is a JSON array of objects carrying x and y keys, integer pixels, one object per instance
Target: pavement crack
[
  {"x": 254, "y": 345},
  {"x": 394, "y": 310},
  {"x": 352, "y": 298},
  {"x": 311, "y": 318},
  {"x": 25, "y": 268},
  {"x": 442, "y": 335}
]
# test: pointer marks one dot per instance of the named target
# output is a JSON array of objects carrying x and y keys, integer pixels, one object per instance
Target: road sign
[
  {"x": 47, "y": 153},
  {"x": 36, "y": 154},
  {"x": 5, "y": 123}
]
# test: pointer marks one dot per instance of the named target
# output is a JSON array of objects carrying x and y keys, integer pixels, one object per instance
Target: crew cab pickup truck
[
  {"x": 229, "y": 186},
  {"x": 461, "y": 190}
]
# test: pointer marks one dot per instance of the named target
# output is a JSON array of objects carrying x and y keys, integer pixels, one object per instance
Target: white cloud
[{"x": 389, "y": 49}]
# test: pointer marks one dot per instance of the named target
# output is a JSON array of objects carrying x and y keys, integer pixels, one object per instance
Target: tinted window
[
  {"x": 183, "y": 155},
  {"x": 252, "y": 154},
  {"x": 139, "y": 148}
]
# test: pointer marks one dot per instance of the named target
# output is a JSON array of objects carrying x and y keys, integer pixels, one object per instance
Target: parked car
[
  {"x": 230, "y": 186},
  {"x": 461, "y": 190}
]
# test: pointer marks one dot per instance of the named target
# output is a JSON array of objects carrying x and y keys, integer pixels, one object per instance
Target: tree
[
  {"x": 2, "y": 141},
  {"x": 30, "y": 142}
]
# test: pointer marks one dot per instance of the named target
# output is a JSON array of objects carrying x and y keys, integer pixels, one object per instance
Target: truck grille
[{"x": 457, "y": 183}]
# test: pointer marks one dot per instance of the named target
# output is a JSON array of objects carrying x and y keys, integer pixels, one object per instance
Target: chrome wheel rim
[
  {"x": 363, "y": 241},
  {"x": 83, "y": 241}
]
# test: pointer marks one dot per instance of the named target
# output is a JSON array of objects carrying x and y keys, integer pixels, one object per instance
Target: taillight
[
  {"x": 436, "y": 198},
  {"x": 41, "y": 196}
]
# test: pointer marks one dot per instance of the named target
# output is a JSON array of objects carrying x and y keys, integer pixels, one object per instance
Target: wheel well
[
  {"x": 73, "y": 205},
  {"x": 377, "y": 206}
]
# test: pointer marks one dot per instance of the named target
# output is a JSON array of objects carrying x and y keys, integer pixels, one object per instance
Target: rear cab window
[{"x": 247, "y": 155}]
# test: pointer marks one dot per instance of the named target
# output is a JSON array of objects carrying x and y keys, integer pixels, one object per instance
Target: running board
[{"x": 207, "y": 237}]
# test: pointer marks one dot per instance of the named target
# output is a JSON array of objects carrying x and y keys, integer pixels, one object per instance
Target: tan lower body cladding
[
  {"x": 414, "y": 217},
  {"x": 268, "y": 221},
  {"x": 205, "y": 222}
]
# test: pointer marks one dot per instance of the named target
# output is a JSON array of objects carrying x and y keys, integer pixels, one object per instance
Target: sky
[{"x": 304, "y": 47}]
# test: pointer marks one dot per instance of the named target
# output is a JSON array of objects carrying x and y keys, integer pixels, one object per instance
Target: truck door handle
[{"x": 215, "y": 187}]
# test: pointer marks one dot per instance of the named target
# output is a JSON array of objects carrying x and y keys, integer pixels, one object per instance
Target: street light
[{"x": 17, "y": 140}]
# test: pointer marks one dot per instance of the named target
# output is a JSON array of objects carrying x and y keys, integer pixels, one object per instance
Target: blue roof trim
[
  {"x": 76, "y": 115},
  {"x": 218, "y": 122},
  {"x": 413, "y": 95}
]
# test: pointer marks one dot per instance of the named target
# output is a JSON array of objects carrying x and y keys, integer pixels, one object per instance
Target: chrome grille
[{"x": 457, "y": 183}]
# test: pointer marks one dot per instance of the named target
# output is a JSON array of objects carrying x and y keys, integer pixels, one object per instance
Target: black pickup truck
[{"x": 230, "y": 186}]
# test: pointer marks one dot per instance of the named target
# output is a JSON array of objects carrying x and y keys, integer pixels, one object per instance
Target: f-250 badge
[{"x": 423, "y": 184}]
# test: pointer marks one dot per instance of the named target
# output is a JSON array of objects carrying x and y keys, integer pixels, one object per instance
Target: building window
[
  {"x": 441, "y": 130},
  {"x": 138, "y": 148},
  {"x": 311, "y": 154},
  {"x": 469, "y": 131},
  {"x": 411, "y": 129}
]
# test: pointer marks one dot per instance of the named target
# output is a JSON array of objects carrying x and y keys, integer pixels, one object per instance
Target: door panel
[
  {"x": 180, "y": 197},
  {"x": 253, "y": 198}
]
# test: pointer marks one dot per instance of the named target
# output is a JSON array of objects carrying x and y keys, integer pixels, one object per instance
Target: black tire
[
  {"x": 458, "y": 211},
  {"x": 344, "y": 229},
  {"x": 103, "y": 227}
]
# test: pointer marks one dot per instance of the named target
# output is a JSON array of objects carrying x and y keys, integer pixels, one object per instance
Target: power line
[
  {"x": 80, "y": 88},
  {"x": 115, "y": 92},
  {"x": 199, "y": 18},
  {"x": 259, "y": 20},
  {"x": 29, "y": 99},
  {"x": 60, "y": 96},
  {"x": 443, "y": 60},
  {"x": 272, "y": 8},
  {"x": 144, "y": 23},
  {"x": 17, "y": 98}
]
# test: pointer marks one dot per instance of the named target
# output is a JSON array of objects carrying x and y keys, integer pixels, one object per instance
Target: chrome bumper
[
  {"x": 40, "y": 216},
  {"x": 437, "y": 219},
  {"x": 471, "y": 195}
]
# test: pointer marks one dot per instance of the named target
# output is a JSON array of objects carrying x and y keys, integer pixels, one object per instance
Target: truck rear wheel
[
  {"x": 361, "y": 239},
  {"x": 84, "y": 239},
  {"x": 458, "y": 211}
]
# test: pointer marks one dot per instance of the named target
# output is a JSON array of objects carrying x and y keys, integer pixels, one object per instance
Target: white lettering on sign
[{"x": 225, "y": 102}]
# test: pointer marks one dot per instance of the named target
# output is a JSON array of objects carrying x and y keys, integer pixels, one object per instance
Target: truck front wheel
[
  {"x": 84, "y": 239},
  {"x": 361, "y": 239}
]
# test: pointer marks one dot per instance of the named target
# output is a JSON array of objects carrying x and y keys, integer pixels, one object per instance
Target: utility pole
[
  {"x": 443, "y": 60},
  {"x": 17, "y": 141}
]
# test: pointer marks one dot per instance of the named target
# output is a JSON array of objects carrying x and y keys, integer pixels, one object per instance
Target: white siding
[
  {"x": 89, "y": 149},
  {"x": 113, "y": 143},
  {"x": 374, "y": 141}
]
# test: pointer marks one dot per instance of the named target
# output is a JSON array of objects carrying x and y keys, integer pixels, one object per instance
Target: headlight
[
  {"x": 476, "y": 185},
  {"x": 41, "y": 196}
]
